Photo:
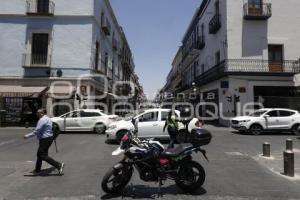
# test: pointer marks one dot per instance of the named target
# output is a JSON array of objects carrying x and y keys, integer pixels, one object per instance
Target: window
[
  {"x": 149, "y": 117},
  {"x": 217, "y": 57},
  {"x": 275, "y": 53},
  {"x": 102, "y": 19},
  {"x": 164, "y": 115},
  {"x": 89, "y": 114},
  {"x": 106, "y": 62},
  {"x": 273, "y": 113},
  {"x": 285, "y": 113},
  {"x": 96, "y": 56},
  {"x": 39, "y": 50},
  {"x": 255, "y": 3},
  {"x": 74, "y": 114},
  {"x": 43, "y": 6},
  {"x": 217, "y": 7}
]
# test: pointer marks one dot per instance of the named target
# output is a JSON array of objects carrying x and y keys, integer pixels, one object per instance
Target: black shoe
[
  {"x": 35, "y": 172},
  {"x": 61, "y": 169}
]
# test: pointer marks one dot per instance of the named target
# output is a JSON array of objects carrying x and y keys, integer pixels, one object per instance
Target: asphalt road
[{"x": 232, "y": 173}]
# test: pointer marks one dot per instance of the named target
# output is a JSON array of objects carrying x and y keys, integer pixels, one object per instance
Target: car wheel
[
  {"x": 99, "y": 128},
  {"x": 295, "y": 129},
  {"x": 256, "y": 129},
  {"x": 120, "y": 135}
]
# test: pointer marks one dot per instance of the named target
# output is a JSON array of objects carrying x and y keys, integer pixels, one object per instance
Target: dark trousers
[
  {"x": 42, "y": 154},
  {"x": 172, "y": 133}
]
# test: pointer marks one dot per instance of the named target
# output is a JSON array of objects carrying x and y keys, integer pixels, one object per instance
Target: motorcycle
[{"x": 155, "y": 164}]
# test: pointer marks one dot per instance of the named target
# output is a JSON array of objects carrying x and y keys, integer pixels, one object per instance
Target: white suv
[
  {"x": 83, "y": 120},
  {"x": 272, "y": 119}
]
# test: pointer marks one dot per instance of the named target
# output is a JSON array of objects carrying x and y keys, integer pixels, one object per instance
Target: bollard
[
  {"x": 266, "y": 149},
  {"x": 289, "y": 144},
  {"x": 288, "y": 159}
]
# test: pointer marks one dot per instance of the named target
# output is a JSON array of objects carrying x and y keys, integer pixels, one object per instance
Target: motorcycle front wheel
[
  {"x": 116, "y": 179},
  {"x": 191, "y": 176}
]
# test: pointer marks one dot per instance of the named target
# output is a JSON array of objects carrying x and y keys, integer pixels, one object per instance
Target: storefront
[{"x": 20, "y": 104}]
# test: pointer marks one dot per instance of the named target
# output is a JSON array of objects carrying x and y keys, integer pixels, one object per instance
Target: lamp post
[{"x": 194, "y": 99}]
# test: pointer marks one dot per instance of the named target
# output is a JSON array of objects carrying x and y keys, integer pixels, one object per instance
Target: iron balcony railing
[
  {"x": 36, "y": 60},
  {"x": 249, "y": 67},
  {"x": 198, "y": 44},
  {"x": 215, "y": 24},
  {"x": 40, "y": 7},
  {"x": 257, "y": 12}
]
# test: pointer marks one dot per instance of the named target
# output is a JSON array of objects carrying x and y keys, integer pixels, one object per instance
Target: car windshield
[{"x": 258, "y": 113}]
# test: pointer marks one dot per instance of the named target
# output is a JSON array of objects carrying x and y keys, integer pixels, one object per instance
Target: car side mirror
[{"x": 266, "y": 116}]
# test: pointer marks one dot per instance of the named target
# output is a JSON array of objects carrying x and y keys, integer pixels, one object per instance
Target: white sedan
[
  {"x": 83, "y": 120},
  {"x": 150, "y": 124}
]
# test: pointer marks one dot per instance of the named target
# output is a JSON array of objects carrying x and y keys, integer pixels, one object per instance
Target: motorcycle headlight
[{"x": 112, "y": 127}]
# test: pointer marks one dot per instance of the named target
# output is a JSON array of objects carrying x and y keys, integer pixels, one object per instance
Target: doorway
[{"x": 275, "y": 58}]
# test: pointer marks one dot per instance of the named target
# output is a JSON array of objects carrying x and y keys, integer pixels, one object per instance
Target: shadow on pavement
[
  {"x": 45, "y": 173},
  {"x": 143, "y": 191},
  {"x": 265, "y": 133}
]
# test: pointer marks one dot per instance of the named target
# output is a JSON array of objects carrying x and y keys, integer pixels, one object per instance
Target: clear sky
[{"x": 154, "y": 30}]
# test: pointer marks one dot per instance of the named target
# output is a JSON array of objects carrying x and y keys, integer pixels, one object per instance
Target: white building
[
  {"x": 243, "y": 51},
  {"x": 49, "y": 41}
]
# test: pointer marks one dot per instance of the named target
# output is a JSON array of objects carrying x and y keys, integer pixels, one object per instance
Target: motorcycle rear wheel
[
  {"x": 191, "y": 176},
  {"x": 116, "y": 179}
]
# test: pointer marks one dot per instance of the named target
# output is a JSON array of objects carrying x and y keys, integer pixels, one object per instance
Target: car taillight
[
  {"x": 125, "y": 138},
  {"x": 198, "y": 123}
]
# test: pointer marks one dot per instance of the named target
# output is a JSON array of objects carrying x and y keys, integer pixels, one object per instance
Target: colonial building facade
[
  {"x": 241, "y": 51},
  {"x": 61, "y": 55}
]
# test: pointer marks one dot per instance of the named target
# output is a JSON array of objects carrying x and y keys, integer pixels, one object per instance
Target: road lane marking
[{"x": 7, "y": 142}]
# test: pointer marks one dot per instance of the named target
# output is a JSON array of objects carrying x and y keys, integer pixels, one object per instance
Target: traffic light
[
  {"x": 236, "y": 98},
  {"x": 229, "y": 98}
]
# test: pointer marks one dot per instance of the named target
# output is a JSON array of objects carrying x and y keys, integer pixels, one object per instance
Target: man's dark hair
[{"x": 42, "y": 110}]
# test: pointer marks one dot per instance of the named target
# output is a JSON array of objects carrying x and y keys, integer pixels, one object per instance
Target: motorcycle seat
[{"x": 177, "y": 150}]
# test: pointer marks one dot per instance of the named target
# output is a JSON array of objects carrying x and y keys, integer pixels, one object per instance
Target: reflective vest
[{"x": 171, "y": 122}]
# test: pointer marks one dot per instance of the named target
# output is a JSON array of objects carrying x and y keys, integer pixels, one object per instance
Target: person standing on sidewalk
[
  {"x": 44, "y": 134},
  {"x": 172, "y": 127}
]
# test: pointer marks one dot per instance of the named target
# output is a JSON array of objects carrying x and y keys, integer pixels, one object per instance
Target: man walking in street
[{"x": 44, "y": 134}]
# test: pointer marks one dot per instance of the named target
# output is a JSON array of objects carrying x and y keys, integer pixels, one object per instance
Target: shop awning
[{"x": 20, "y": 91}]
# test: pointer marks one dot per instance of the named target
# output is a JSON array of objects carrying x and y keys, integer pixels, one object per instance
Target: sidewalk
[
  {"x": 16, "y": 128},
  {"x": 275, "y": 163}
]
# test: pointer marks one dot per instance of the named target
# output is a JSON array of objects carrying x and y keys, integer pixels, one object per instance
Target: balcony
[
  {"x": 194, "y": 48},
  {"x": 36, "y": 60},
  {"x": 215, "y": 24},
  {"x": 249, "y": 68},
  {"x": 105, "y": 26},
  {"x": 40, "y": 8},
  {"x": 260, "y": 12}
]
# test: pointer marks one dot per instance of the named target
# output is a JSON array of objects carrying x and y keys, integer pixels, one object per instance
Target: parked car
[
  {"x": 83, "y": 120},
  {"x": 269, "y": 119},
  {"x": 150, "y": 124}
]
